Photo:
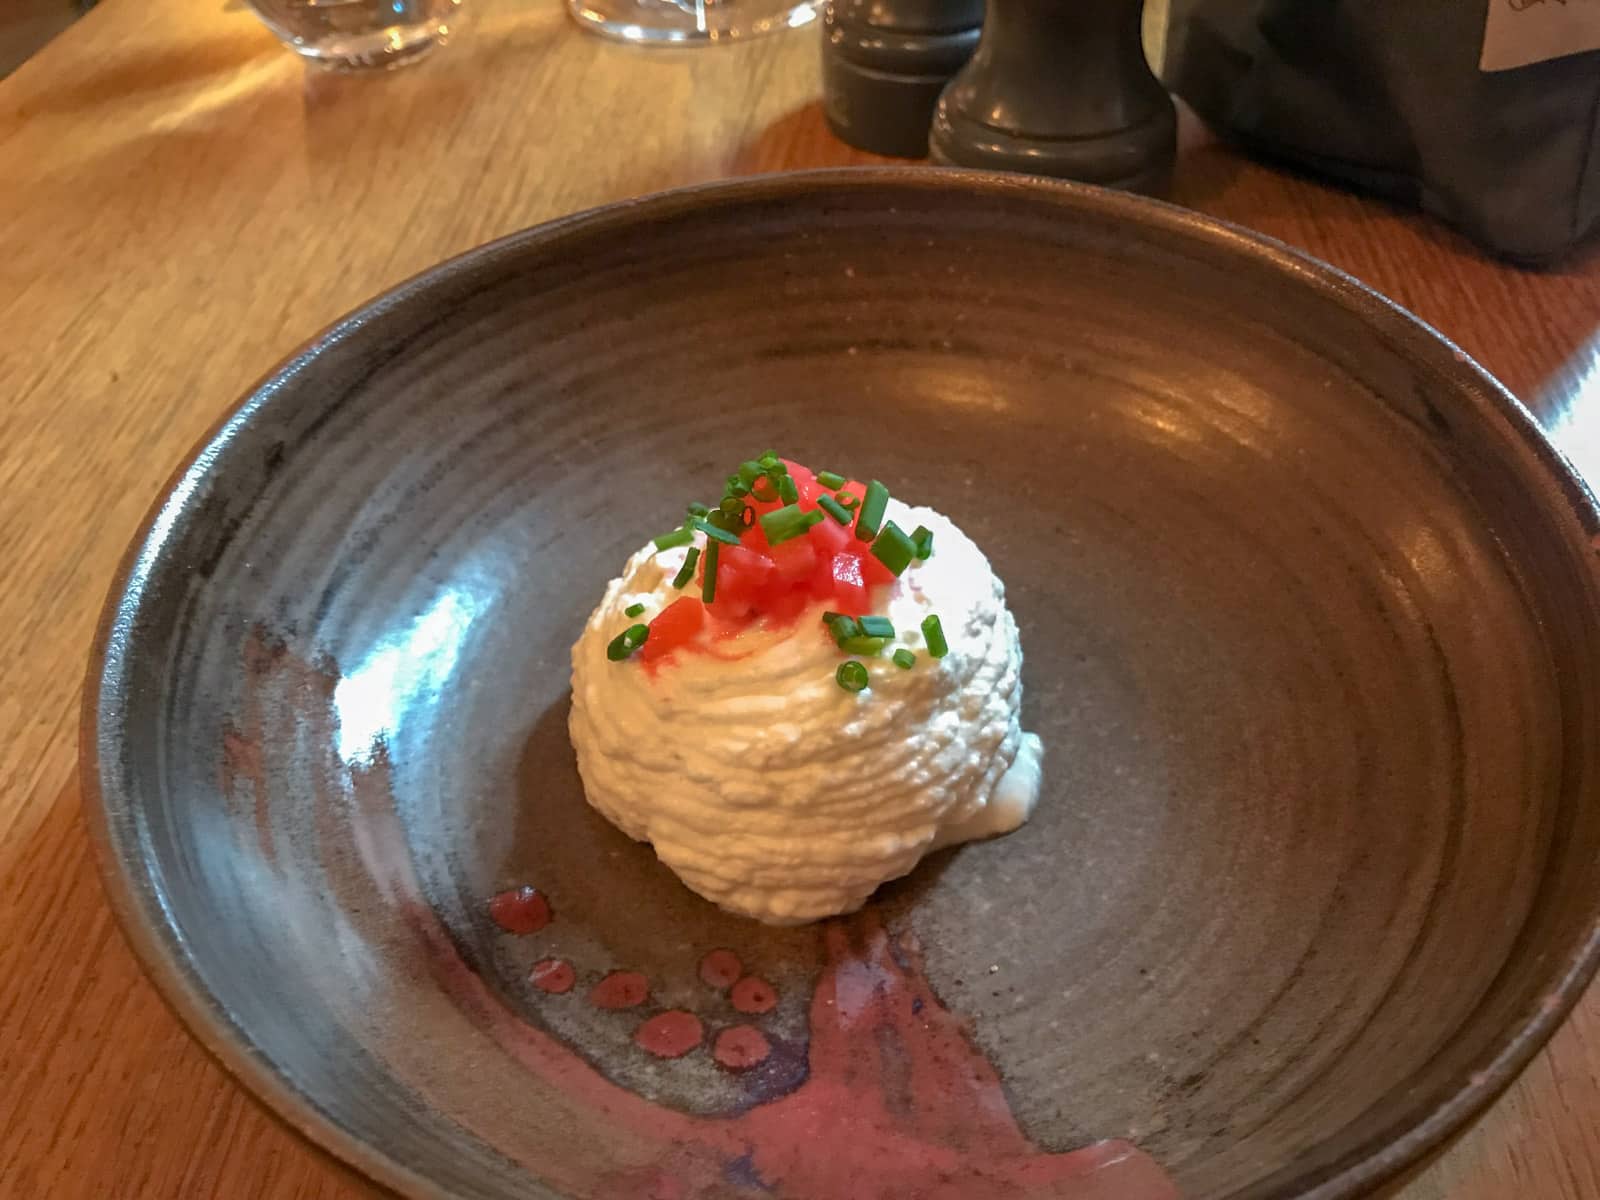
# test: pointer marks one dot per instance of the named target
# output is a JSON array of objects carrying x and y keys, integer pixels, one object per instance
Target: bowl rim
[{"x": 109, "y": 808}]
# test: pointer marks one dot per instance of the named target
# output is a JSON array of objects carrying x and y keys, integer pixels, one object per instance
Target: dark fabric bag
[{"x": 1387, "y": 95}]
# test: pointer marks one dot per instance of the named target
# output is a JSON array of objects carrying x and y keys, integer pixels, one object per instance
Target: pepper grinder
[
  {"x": 884, "y": 63},
  {"x": 1062, "y": 88}
]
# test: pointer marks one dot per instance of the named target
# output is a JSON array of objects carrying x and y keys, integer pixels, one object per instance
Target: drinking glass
[
  {"x": 356, "y": 34},
  {"x": 677, "y": 22}
]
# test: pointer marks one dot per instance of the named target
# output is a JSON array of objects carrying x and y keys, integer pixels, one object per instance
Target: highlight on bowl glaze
[{"x": 1308, "y": 606}]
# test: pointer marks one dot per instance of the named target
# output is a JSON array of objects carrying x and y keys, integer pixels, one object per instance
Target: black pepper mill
[
  {"x": 1060, "y": 87},
  {"x": 884, "y": 63}
]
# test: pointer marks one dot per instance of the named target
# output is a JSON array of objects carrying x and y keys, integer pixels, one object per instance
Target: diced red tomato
[
  {"x": 674, "y": 626},
  {"x": 751, "y": 565},
  {"x": 794, "y": 559},
  {"x": 849, "y": 589},
  {"x": 829, "y": 536}
]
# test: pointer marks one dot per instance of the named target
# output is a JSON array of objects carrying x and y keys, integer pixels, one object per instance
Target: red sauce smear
[
  {"x": 520, "y": 910},
  {"x": 720, "y": 969},
  {"x": 553, "y": 975},
  {"x": 904, "y": 1104},
  {"x": 754, "y": 995},
  {"x": 620, "y": 989},
  {"x": 741, "y": 1047},
  {"x": 670, "y": 1034}
]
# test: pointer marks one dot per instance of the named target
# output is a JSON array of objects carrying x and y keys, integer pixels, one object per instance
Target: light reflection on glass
[
  {"x": 1573, "y": 399},
  {"x": 371, "y": 699}
]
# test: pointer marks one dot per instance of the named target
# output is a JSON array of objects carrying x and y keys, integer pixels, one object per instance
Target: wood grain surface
[{"x": 181, "y": 204}]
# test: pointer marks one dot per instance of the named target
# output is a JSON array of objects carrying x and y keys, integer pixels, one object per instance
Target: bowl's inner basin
[{"x": 1280, "y": 595}]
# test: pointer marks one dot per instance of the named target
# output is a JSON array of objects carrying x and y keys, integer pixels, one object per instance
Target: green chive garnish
[
  {"x": 750, "y": 471},
  {"x": 893, "y": 548},
  {"x": 737, "y": 490},
  {"x": 678, "y": 537},
  {"x": 831, "y": 480},
  {"x": 922, "y": 537},
  {"x": 787, "y": 522},
  {"x": 635, "y": 636},
  {"x": 877, "y": 627},
  {"x": 617, "y": 648},
  {"x": 904, "y": 659},
  {"x": 841, "y": 626},
  {"x": 633, "y": 610},
  {"x": 834, "y": 509},
  {"x": 787, "y": 491},
  {"x": 847, "y": 499},
  {"x": 708, "y": 582},
  {"x": 871, "y": 518},
  {"x": 863, "y": 645},
  {"x": 770, "y": 459},
  {"x": 932, "y": 630},
  {"x": 686, "y": 572},
  {"x": 764, "y": 489},
  {"x": 714, "y": 532},
  {"x": 851, "y": 676},
  {"x": 696, "y": 509}
]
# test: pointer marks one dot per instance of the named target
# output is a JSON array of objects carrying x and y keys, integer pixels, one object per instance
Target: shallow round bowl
[{"x": 1309, "y": 613}]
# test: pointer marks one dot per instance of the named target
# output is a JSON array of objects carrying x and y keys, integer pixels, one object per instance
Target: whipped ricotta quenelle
[{"x": 802, "y": 691}]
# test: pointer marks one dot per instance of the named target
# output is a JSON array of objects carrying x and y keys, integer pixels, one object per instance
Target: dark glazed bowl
[{"x": 1309, "y": 609}]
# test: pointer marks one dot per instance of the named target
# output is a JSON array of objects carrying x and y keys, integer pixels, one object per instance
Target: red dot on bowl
[
  {"x": 753, "y": 994},
  {"x": 520, "y": 910},
  {"x": 741, "y": 1047},
  {"x": 554, "y": 975},
  {"x": 620, "y": 989},
  {"x": 721, "y": 969},
  {"x": 670, "y": 1034}
]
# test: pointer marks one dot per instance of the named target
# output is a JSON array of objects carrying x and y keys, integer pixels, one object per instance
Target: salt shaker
[
  {"x": 1063, "y": 89},
  {"x": 884, "y": 63}
]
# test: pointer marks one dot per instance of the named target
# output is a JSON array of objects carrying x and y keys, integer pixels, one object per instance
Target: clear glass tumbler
[
  {"x": 358, "y": 34},
  {"x": 679, "y": 22}
]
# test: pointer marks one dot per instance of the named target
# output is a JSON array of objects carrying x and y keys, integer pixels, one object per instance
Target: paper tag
[{"x": 1521, "y": 32}]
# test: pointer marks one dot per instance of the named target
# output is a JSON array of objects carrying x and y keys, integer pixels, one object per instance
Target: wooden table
[{"x": 181, "y": 204}]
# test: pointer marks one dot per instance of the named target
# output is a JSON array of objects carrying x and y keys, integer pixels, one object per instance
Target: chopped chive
[
  {"x": 764, "y": 489},
  {"x": 851, "y": 676},
  {"x": 787, "y": 491},
  {"x": 722, "y": 520},
  {"x": 680, "y": 536},
  {"x": 841, "y": 626},
  {"x": 877, "y": 627},
  {"x": 696, "y": 509},
  {"x": 872, "y": 508},
  {"x": 893, "y": 548},
  {"x": 617, "y": 648},
  {"x": 831, "y": 479},
  {"x": 714, "y": 532},
  {"x": 749, "y": 471},
  {"x": 904, "y": 659},
  {"x": 730, "y": 505},
  {"x": 633, "y": 610},
  {"x": 770, "y": 460},
  {"x": 863, "y": 645},
  {"x": 922, "y": 537},
  {"x": 708, "y": 582},
  {"x": 686, "y": 572},
  {"x": 787, "y": 522},
  {"x": 834, "y": 509},
  {"x": 847, "y": 499},
  {"x": 635, "y": 636},
  {"x": 934, "y": 632},
  {"x": 732, "y": 482},
  {"x": 738, "y": 490}
]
